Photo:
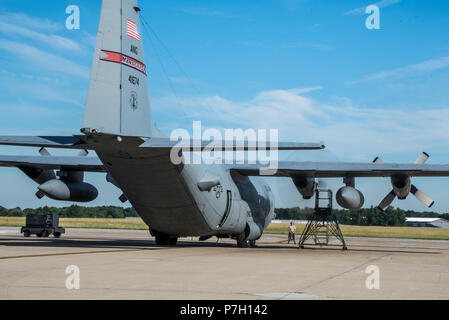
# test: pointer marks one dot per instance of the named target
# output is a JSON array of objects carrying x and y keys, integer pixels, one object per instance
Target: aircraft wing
[
  {"x": 339, "y": 169},
  {"x": 91, "y": 164}
]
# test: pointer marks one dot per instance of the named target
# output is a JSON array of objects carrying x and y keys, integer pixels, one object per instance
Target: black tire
[
  {"x": 241, "y": 241},
  {"x": 162, "y": 239},
  {"x": 45, "y": 234},
  {"x": 173, "y": 241},
  {"x": 252, "y": 243},
  {"x": 27, "y": 233},
  {"x": 39, "y": 235},
  {"x": 57, "y": 234}
]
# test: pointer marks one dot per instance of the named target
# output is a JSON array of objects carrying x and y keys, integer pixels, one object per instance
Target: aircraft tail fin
[{"x": 118, "y": 98}]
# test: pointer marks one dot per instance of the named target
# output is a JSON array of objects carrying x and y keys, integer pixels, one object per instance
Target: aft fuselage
[{"x": 168, "y": 198}]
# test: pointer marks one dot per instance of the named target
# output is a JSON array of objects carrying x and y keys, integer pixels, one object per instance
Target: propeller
[{"x": 421, "y": 196}]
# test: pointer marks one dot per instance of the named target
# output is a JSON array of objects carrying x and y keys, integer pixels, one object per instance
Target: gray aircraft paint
[
  {"x": 166, "y": 196},
  {"x": 115, "y": 103},
  {"x": 183, "y": 200}
]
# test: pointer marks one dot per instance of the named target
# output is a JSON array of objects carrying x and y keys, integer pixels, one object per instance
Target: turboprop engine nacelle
[
  {"x": 306, "y": 186},
  {"x": 38, "y": 175},
  {"x": 350, "y": 198},
  {"x": 401, "y": 186},
  {"x": 69, "y": 191}
]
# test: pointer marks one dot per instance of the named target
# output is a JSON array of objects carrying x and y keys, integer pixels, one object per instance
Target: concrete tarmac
[{"x": 116, "y": 264}]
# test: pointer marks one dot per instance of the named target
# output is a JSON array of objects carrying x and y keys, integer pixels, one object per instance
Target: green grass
[
  {"x": 350, "y": 231},
  {"x": 376, "y": 232}
]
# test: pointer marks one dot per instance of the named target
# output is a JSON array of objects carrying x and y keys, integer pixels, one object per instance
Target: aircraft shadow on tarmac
[{"x": 149, "y": 244}]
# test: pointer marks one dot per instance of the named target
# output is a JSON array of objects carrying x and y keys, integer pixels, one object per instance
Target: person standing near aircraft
[{"x": 291, "y": 232}]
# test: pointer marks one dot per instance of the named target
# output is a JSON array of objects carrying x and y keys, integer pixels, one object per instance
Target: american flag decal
[{"x": 132, "y": 30}]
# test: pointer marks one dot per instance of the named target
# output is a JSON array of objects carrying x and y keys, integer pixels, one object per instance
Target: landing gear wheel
[
  {"x": 252, "y": 243},
  {"x": 57, "y": 234},
  {"x": 27, "y": 233},
  {"x": 45, "y": 234},
  {"x": 173, "y": 241},
  {"x": 241, "y": 241},
  {"x": 39, "y": 235},
  {"x": 162, "y": 239}
]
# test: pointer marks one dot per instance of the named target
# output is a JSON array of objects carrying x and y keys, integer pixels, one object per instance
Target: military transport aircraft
[{"x": 177, "y": 200}]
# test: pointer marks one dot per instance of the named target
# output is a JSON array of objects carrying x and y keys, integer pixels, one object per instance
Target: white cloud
[
  {"x": 407, "y": 71},
  {"x": 51, "y": 40},
  {"x": 31, "y": 22},
  {"x": 43, "y": 59},
  {"x": 352, "y": 133},
  {"x": 380, "y": 4}
]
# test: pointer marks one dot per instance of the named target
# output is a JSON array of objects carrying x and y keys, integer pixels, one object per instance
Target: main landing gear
[
  {"x": 243, "y": 243},
  {"x": 163, "y": 239}
]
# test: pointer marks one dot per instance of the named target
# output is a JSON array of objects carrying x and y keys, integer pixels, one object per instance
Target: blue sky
[{"x": 309, "y": 68}]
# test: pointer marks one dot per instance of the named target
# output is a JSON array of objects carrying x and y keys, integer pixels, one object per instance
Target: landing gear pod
[
  {"x": 248, "y": 238},
  {"x": 253, "y": 231}
]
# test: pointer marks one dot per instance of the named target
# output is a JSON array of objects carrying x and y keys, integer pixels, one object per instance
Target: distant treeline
[
  {"x": 362, "y": 217},
  {"x": 73, "y": 212},
  {"x": 365, "y": 217}
]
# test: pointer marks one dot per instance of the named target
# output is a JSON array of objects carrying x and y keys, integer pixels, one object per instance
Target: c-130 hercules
[{"x": 186, "y": 199}]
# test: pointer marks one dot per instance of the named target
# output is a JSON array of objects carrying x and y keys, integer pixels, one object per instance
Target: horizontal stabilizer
[
  {"x": 201, "y": 145},
  {"x": 65, "y": 142}
]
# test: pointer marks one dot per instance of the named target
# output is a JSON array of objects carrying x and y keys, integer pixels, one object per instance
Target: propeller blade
[
  {"x": 378, "y": 160},
  {"x": 387, "y": 201},
  {"x": 422, "y": 158},
  {"x": 421, "y": 196},
  {"x": 44, "y": 152}
]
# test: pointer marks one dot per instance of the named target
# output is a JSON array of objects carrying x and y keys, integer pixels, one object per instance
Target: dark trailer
[{"x": 42, "y": 225}]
